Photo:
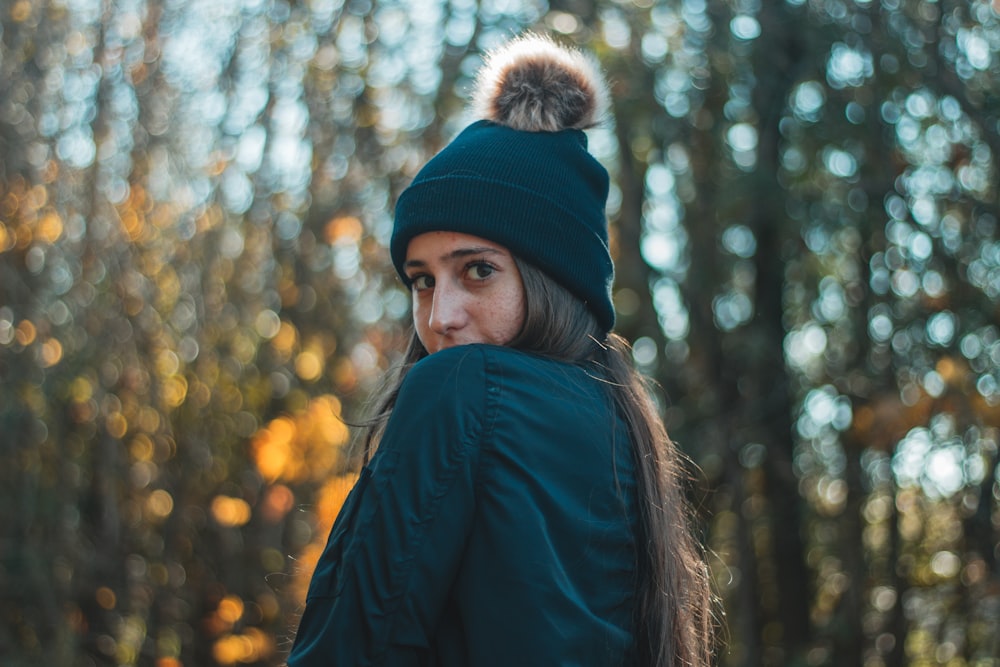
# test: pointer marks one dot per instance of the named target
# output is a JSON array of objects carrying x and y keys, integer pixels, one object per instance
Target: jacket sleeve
[{"x": 382, "y": 581}]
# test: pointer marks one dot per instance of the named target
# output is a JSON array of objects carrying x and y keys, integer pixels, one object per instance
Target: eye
[
  {"x": 480, "y": 270},
  {"x": 422, "y": 282}
]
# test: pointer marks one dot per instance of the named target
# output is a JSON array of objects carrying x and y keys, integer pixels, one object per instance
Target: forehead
[{"x": 435, "y": 244}]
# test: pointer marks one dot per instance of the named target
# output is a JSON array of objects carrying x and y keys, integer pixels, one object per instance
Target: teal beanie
[{"x": 523, "y": 177}]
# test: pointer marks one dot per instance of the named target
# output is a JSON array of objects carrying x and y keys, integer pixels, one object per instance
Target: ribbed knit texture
[{"x": 541, "y": 195}]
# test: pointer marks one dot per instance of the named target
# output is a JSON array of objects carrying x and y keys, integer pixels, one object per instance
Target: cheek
[
  {"x": 511, "y": 316},
  {"x": 418, "y": 312}
]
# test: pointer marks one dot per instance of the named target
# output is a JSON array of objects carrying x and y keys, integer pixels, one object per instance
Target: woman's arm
[{"x": 382, "y": 582}]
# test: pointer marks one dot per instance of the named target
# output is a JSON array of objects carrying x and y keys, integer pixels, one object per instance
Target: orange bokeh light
[
  {"x": 230, "y": 511},
  {"x": 278, "y": 501}
]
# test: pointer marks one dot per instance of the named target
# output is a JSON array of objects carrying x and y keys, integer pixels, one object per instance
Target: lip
[{"x": 445, "y": 344}]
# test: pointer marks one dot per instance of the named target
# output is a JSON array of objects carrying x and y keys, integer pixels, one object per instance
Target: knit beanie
[{"x": 521, "y": 176}]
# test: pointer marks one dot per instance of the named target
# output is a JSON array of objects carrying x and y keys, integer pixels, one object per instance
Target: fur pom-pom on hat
[{"x": 532, "y": 84}]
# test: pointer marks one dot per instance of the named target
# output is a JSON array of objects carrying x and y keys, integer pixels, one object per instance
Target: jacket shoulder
[
  {"x": 468, "y": 366},
  {"x": 454, "y": 382},
  {"x": 476, "y": 378},
  {"x": 445, "y": 375}
]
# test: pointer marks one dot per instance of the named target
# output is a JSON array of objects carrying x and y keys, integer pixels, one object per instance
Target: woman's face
[{"x": 465, "y": 290}]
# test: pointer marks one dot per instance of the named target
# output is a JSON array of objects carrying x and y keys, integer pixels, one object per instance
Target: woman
[{"x": 521, "y": 503}]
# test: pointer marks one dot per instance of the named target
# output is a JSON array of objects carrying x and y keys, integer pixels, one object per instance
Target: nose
[{"x": 448, "y": 311}]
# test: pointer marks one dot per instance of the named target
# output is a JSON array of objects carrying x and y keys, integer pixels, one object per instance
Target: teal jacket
[{"x": 496, "y": 525}]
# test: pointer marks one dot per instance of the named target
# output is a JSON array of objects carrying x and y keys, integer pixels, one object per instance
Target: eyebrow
[{"x": 454, "y": 254}]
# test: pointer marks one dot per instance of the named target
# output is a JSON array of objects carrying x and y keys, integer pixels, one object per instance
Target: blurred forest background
[{"x": 195, "y": 197}]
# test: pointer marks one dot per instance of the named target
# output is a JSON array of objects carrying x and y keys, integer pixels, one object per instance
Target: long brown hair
[{"x": 674, "y": 620}]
